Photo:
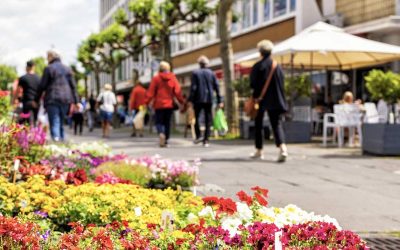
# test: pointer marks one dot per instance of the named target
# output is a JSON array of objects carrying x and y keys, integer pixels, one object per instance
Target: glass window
[
  {"x": 292, "y": 5},
  {"x": 267, "y": 10},
  {"x": 246, "y": 14},
  {"x": 279, "y": 7},
  {"x": 255, "y": 11}
]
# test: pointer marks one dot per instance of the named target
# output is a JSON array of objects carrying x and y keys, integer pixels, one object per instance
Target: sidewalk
[{"x": 361, "y": 192}]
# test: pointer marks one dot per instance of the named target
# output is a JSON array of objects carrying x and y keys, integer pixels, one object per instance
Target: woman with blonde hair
[
  {"x": 164, "y": 88},
  {"x": 106, "y": 101}
]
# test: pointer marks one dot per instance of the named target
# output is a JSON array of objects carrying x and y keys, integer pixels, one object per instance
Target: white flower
[
  {"x": 244, "y": 212},
  {"x": 191, "y": 218},
  {"x": 231, "y": 225},
  {"x": 207, "y": 211},
  {"x": 138, "y": 211}
]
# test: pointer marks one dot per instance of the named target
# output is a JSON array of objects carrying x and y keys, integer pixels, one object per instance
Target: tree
[
  {"x": 225, "y": 18},
  {"x": 108, "y": 46},
  {"x": 78, "y": 76},
  {"x": 164, "y": 18},
  {"x": 134, "y": 42},
  {"x": 40, "y": 65},
  {"x": 8, "y": 74}
]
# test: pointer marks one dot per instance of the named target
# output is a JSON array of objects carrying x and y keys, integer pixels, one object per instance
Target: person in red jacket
[
  {"x": 137, "y": 99},
  {"x": 164, "y": 88}
]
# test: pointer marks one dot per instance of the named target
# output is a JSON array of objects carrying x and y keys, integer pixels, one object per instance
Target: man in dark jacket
[
  {"x": 274, "y": 101},
  {"x": 204, "y": 84},
  {"x": 30, "y": 84},
  {"x": 60, "y": 94}
]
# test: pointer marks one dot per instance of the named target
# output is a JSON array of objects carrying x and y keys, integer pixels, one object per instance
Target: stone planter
[
  {"x": 297, "y": 132},
  {"x": 381, "y": 139}
]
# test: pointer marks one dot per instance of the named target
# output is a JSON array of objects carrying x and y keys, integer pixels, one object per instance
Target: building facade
[{"x": 275, "y": 20}]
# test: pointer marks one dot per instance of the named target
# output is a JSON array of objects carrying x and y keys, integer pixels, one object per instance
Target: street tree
[
  {"x": 107, "y": 44},
  {"x": 136, "y": 39},
  {"x": 165, "y": 18},
  {"x": 79, "y": 76},
  {"x": 8, "y": 74},
  {"x": 90, "y": 61},
  {"x": 225, "y": 18}
]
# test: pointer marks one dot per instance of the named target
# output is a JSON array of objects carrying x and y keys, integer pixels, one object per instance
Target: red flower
[
  {"x": 245, "y": 198},
  {"x": 180, "y": 241},
  {"x": 211, "y": 200},
  {"x": 260, "y": 199},
  {"x": 262, "y": 191}
]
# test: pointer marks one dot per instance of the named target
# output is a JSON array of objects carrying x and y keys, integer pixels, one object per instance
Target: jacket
[
  {"x": 137, "y": 98},
  {"x": 274, "y": 99},
  {"x": 58, "y": 84},
  {"x": 204, "y": 83},
  {"x": 164, "y": 87}
]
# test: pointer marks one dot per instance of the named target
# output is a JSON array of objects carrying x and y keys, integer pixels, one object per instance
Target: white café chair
[
  {"x": 371, "y": 113},
  {"x": 345, "y": 116},
  {"x": 383, "y": 111},
  {"x": 317, "y": 121}
]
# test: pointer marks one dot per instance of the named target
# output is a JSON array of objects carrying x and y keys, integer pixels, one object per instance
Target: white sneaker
[
  {"x": 162, "y": 140},
  {"x": 257, "y": 156},
  {"x": 206, "y": 145},
  {"x": 283, "y": 155}
]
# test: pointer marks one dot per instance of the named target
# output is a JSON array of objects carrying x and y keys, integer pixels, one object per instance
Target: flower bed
[
  {"x": 60, "y": 216},
  {"x": 84, "y": 197}
]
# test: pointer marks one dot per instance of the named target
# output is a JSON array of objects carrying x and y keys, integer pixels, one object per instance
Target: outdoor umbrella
[{"x": 324, "y": 46}]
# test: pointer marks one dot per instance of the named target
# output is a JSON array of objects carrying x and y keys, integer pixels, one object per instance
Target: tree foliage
[
  {"x": 40, "y": 65},
  {"x": 165, "y": 17},
  {"x": 8, "y": 74},
  {"x": 383, "y": 85},
  {"x": 298, "y": 86}
]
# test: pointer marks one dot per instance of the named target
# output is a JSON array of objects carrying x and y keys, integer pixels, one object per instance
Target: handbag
[{"x": 251, "y": 105}]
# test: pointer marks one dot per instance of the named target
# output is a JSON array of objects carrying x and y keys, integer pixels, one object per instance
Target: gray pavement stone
[{"x": 361, "y": 192}]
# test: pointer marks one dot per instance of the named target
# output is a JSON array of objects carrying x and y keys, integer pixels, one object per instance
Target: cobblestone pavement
[{"x": 361, "y": 192}]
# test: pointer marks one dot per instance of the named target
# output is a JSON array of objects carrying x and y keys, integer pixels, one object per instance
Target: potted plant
[
  {"x": 382, "y": 138},
  {"x": 298, "y": 125}
]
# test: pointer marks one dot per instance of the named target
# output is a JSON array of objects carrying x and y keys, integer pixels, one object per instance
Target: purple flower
[
  {"x": 46, "y": 235},
  {"x": 41, "y": 214}
]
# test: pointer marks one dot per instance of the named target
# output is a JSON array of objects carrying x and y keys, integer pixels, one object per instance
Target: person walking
[
  {"x": 107, "y": 102},
  {"x": 163, "y": 90},
  {"x": 77, "y": 118},
  {"x": 30, "y": 83},
  {"x": 91, "y": 113},
  {"x": 136, "y": 100},
  {"x": 273, "y": 101},
  {"x": 59, "y": 88},
  {"x": 204, "y": 84}
]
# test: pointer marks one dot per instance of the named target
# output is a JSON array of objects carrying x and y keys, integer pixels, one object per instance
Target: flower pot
[
  {"x": 297, "y": 131},
  {"x": 381, "y": 139}
]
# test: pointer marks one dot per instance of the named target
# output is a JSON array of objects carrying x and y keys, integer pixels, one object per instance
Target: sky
[{"x": 28, "y": 28}]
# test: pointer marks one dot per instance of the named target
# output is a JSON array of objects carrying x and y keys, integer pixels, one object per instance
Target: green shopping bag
[{"x": 219, "y": 122}]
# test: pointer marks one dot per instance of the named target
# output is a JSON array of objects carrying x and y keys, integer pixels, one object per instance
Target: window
[
  {"x": 246, "y": 14},
  {"x": 267, "y": 10},
  {"x": 292, "y": 5},
  {"x": 280, "y": 7},
  {"x": 255, "y": 11}
]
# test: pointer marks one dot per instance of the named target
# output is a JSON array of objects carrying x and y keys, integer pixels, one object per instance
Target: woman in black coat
[{"x": 274, "y": 101}]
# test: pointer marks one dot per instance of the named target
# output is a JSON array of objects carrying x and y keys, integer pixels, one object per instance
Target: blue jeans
[
  {"x": 163, "y": 121},
  {"x": 57, "y": 114}
]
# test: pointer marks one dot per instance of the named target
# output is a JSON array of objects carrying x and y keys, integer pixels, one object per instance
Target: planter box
[
  {"x": 297, "y": 132},
  {"x": 381, "y": 139}
]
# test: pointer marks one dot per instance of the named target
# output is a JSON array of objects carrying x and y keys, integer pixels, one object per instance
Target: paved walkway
[{"x": 361, "y": 192}]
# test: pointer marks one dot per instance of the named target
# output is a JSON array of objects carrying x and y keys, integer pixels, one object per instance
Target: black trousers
[
  {"x": 275, "y": 118},
  {"x": 163, "y": 121},
  {"x": 207, "y": 108},
  {"x": 78, "y": 122},
  {"x": 32, "y": 120}
]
